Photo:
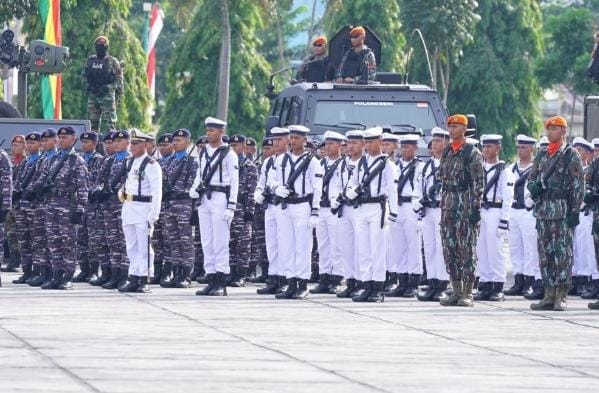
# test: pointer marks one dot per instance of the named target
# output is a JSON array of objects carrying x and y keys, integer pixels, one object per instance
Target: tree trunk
[
  {"x": 311, "y": 29},
  {"x": 224, "y": 67},
  {"x": 434, "y": 66},
  {"x": 446, "y": 79}
]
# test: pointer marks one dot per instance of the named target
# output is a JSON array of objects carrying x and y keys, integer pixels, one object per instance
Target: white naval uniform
[
  {"x": 347, "y": 244},
  {"x": 524, "y": 253},
  {"x": 294, "y": 234},
  {"x": 431, "y": 224},
  {"x": 370, "y": 238},
  {"x": 489, "y": 248},
  {"x": 138, "y": 218},
  {"x": 270, "y": 223},
  {"x": 404, "y": 242},
  {"x": 583, "y": 263},
  {"x": 214, "y": 229},
  {"x": 327, "y": 230}
]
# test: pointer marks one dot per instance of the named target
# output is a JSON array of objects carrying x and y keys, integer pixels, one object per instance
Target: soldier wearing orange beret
[
  {"x": 358, "y": 64},
  {"x": 316, "y": 67}
]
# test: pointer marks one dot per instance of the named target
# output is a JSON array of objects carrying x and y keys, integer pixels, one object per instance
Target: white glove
[
  {"x": 282, "y": 191},
  {"x": 419, "y": 226},
  {"x": 258, "y": 197},
  {"x": 193, "y": 194},
  {"x": 313, "y": 222},
  {"x": 529, "y": 203},
  {"x": 334, "y": 203},
  {"x": 416, "y": 205},
  {"x": 502, "y": 233},
  {"x": 228, "y": 216},
  {"x": 351, "y": 194}
]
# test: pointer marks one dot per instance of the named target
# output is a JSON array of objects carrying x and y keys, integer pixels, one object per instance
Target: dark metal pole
[{"x": 22, "y": 103}]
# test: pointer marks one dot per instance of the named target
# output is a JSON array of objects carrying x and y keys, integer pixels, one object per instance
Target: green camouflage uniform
[
  {"x": 591, "y": 198},
  {"x": 461, "y": 175},
  {"x": 561, "y": 197},
  {"x": 103, "y": 82}
]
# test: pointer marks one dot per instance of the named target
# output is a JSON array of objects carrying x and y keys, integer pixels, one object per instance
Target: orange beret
[
  {"x": 101, "y": 37},
  {"x": 458, "y": 119},
  {"x": 356, "y": 31},
  {"x": 556, "y": 121},
  {"x": 320, "y": 40}
]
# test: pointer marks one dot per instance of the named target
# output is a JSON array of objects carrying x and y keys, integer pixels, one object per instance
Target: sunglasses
[
  {"x": 318, "y": 45},
  {"x": 353, "y": 37}
]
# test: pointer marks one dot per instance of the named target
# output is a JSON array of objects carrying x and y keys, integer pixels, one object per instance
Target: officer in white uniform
[
  {"x": 428, "y": 203},
  {"x": 276, "y": 281},
  {"x": 355, "y": 151},
  {"x": 390, "y": 145},
  {"x": 372, "y": 188},
  {"x": 595, "y": 143},
  {"x": 141, "y": 196},
  {"x": 523, "y": 234},
  {"x": 298, "y": 213},
  {"x": 404, "y": 239},
  {"x": 494, "y": 224},
  {"x": 330, "y": 266},
  {"x": 215, "y": 187}
]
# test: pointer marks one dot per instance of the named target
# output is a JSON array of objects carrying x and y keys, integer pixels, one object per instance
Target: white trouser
[
  {"x": 347, "y": 243},
  {"x": 584, "y": 247},
  {"x": 371, "y": 242},
  {"x": 489, "y": 249},
  {"x": 270, "y": 237},
  {"x": 214, "y": 232},
  {"x": 404, "y": 242},
  {"x": 524, "y": 253},
  {"x": 433, "y": 248},
  {"x": 327, "y": 234},
  {"x": 294, "y": 238},
  {"x": 136, "y": 238}
]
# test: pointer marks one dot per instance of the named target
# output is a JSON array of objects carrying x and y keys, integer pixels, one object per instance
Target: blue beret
[
  {"x": 108, "y": 136},
  {"x": 49, "y": 133},
  {"x": 122, "y": 134},
  {"x": 250, "y": 142},
  {"x": 237, "y": 138},
  {"x": 34, "y": 136},
  {"x": 267, "y": 142},
  {"x": 182, "y": 132},
  {"x": 165, "y": 138},
  {"x": 89, "y": 136},
  {"x": 66, "y": 130}
]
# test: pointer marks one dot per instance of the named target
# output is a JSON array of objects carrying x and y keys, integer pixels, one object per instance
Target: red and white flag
[{"x": 156, "y": 23}]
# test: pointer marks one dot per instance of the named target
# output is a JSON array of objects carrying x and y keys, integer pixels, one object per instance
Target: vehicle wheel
[{"x": 9, "y": 111}]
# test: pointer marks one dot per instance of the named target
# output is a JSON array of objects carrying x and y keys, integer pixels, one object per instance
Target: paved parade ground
[{"x": 95, "y": 340}]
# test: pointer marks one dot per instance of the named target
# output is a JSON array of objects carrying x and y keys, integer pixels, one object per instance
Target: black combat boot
[
  {"x": 131, "y": 286},
  {"x": 302, "y": 290},
  {"x": 516, "y": 289},
  {"x": 195, "y": 272},
  {"x": 93, "y": 271},
  {"x": 358, "y": 288},
  {"x": 263, "y": 275},
  {"x": 83, "y": 273},
  {"x": 429, "y": 294},
  {"x": 404, "y": 279},
  {"x": 12, "y": 265},
  {"x": 346, "y": 293},
  {"x": 231, "y": 276},
  {"x": 272, "y": 284},
  {"x": 283, "y": 284},
  {"x": 202, "y": 278},
  {"x": 412, "y": 287},
  {"x": 124, "y": 277},
  {"x": 157, "y": 273},
  {"x": 314, "y": 275},
  {"x": 336, "y": 286},
  {"x": 55, "y": 281},
  {"x": 142, "y": 286},
  {"x": 440, "y": 290},
  {"x": 220, "y": 285},
  {"x": 171, "y": 280},
  {"x": 104, "y": 277},
  {"x": 67, "y": 281},
  {"x": 211, "y": 283},
  {"x": 573, "y": 289},
  {"x": 538, "y": 291},
  {"x": 484, "y": 291},
  {"x": 363, "y": 296},
  {"x": 527, "y": 285},
  {"x": 290, "y": 291},
  {"x": 239, "y": 279},
  {"x": 377, "y": 295},
  {"x": 592, "y": 290},
  {"x": 36, "y": 281},
  {"x": 324, "y": 283},
  {"x": 165, "y": 276},
  {"x": 497, "y": 292},
  {"x": 115, "y": 277},
  {"x": 27, "y": 272},
  {"x": 183, "y": 279},
  {"x": 391, "y": 282},
  {"x": 582, "y": 284}
]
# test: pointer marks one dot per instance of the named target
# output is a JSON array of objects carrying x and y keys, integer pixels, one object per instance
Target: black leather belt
[
  {"x": 137, "y": 198},
  {"x": 371, "y": 199},
  {"x": 491, "y": 205},
  {"x": 404, "y": 199},
  {"x": 297, "y": 200},
  {"x": 223, "y": 189}
]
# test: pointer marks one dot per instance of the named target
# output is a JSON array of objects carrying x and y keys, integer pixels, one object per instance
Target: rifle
[
  {"x": 405, "y": 177},
  {"x": 293, "y": 177},
  {"x": 204, "y": 186},
  {"x": 17, "y": 195},
  {"x": 168, "y": 185},
  {"x": 49, "y": 185},
  {"x": 498, "y": 169},
  {"x": 342, "y": 199},
  {"x": 430, "y": 198}
]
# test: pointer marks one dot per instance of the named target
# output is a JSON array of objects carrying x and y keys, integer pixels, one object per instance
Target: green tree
[
  {"x": 193, "y": 72},
  {"x": 381, "y": 16},
  {"x": 86, "y": 20},
  {"x": 10, "y": 9},
  {"x": 495, "y": 79}
]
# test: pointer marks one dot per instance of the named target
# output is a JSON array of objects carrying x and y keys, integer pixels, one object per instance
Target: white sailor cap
[
  {"x": 355, "y": 135},
  {"x": 213, "y": 122},
  {"x": 522, "y": 139},
  {"x": 279, "y": 131},
  {"x": 472, "y": 141},
  {"x": 544, "y": 141},
  {"x": 388, "y": 137},
  {"x": 490, "y": 139},
  {"x": 298, "y": 130},
  {"x": 439, "y": 132},
  {"x": 595, "y": 142},
  {"x": 581, "y": 142},
  {"x": 409, "y": 139},
  {"x": 333, "y": 136},
  {"x": 138, "y": 136},
  {"x": 373, "y": 133}
]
